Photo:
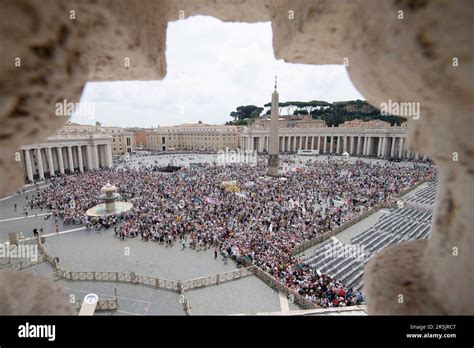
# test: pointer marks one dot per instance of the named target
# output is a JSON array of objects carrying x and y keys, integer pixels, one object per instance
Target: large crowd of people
[{"x": 261, "y": 222}]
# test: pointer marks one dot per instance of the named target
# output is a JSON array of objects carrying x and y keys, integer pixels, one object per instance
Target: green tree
[{"x": 246, "y": 111}]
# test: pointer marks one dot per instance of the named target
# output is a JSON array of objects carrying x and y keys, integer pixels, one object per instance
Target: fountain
[{"x": 111, "y": 204}]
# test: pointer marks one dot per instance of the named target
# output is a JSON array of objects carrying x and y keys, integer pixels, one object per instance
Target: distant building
[
  {"x": 293, "y": 121},
  {"x": 140, "y": 138},
  {"x": 194, "y": 136},
  {"x": 365, "y": 124},
  {"x": 74, "y": 148},
  {"x": 373, "y": 138},
  {"x": 122, "y": 140}
]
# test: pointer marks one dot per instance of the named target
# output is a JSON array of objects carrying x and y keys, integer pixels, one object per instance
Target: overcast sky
[{"x": 213, "y": 67}]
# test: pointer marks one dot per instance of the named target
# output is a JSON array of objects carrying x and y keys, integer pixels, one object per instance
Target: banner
[
  {"x": 210, "y": 200},
  {"x": 242, "y": 194},
  {"x": 230, "y": 186}
]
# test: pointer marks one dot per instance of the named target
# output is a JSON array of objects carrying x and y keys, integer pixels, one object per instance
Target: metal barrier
[
  {"x": 411, "y": 188},
  {"x": 217, "y": 279},
  {"x": 118, "y": 277},
  {"x": 274, "y": 283},
  {"x": 102, "y": 304},
  {"x": 183, "y": 299},
  {"x": 18, "y": 266}
]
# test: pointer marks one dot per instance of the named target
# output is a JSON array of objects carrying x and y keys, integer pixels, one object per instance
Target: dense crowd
[{"x": 261, "y": 223}]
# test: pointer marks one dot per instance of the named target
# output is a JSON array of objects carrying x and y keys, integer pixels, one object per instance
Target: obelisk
[{"x": 272, "y": 168}]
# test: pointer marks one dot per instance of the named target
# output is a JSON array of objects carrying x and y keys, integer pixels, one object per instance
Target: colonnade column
[
  {"x": 332, "y": 143},
  {"x": 79, "y": 158},
  {"x": 109, "y": 154},
  {"x": 39, "y": 158},
  {"x": 392, "y": 148},
  {"x": 325, "y": 143},
  {"x": 383, "y": 146},
  {"x": 400, "y": 147},
  {"x": 29, "y": 170},
  {"x": 60, "y": 159},
  {"x": 95, "y": 155},
  {"x": 50, "y": 161},
  {"x": 90, "y": 160},
  {"x": 70, "y": 161}
]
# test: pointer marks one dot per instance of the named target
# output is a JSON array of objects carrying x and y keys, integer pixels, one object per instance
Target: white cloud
[{"x": 213, "y": 67}]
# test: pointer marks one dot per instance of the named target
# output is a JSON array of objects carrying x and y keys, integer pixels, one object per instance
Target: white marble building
[
  {"x": 71, "y": 150},
  {"x": 373, "y": 138}
]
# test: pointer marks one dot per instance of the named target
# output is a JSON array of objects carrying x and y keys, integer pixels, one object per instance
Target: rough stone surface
[
  {"x": 404, "y": 60},
  {"x": 25, "y": 294},
  {"x": 402, "y": 291}
]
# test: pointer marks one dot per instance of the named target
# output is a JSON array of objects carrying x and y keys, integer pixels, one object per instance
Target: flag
[
  {"x": 242, "y": 194},
  {"x": 210, "y": 200}
]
